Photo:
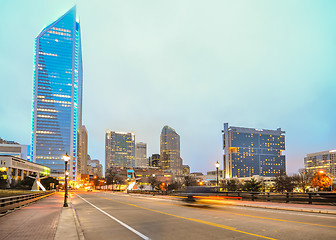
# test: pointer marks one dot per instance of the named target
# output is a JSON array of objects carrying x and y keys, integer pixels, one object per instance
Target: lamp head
[
  {"x": 66, "y": 157},
  {"x": 217, "y": 164}
]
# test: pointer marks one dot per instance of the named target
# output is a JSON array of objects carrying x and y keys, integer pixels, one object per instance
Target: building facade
[
  {"x": 95, "y": 168},
  {"x": 15, "y": 169},
  {"x": 249, "y": 151},
  {"x": 119, "y": 149},
  {"x": 57, "y": 94},
  {"x": 170, "y": 151},
  {"x": 186, "y": 170},
  {"x": 141, "y": 155},
  {"x": 82, "y": 150},
  {"x": 325, "y": 161},
  {"x": 11, "y": 148},
  {"x": 212, "y": 175}
]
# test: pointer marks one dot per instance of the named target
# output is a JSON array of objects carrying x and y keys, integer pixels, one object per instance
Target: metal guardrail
[
  {"x": 287, "y": 197},
  {"x": 12, "y": 202}
]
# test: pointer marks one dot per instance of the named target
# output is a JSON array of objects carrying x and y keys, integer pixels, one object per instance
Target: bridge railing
[
  {"x": 12, "y": 202},
  {"x": 286, "y": 197}
]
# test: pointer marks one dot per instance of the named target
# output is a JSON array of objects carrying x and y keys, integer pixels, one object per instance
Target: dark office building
[
  {"x": 154, "y": 160},
  {"x": 249, "y": 151}
]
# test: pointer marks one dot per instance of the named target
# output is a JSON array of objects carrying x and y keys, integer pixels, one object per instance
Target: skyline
[{"x": 189, "y": 61}]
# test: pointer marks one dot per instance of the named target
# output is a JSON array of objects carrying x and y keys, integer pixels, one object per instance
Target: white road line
[{"x": 118, "y": 221}]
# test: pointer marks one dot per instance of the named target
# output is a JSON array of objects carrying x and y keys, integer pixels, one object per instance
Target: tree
[
  {"x": 321, "y": 180},
  {"x": 252, "y": 185},
  {"x": 27, "y": 182},
  {"x": 3, "y": 182},
  {"x": 113, "y": 177},
  {"x": 153, "y": 182},
  {"x": 284, "y": 183},
  {"x": 47, "y": 182},
  {"x": 119, "y": 180},
  {"x": 96, "y": 181},
  {"x": 231, "y": 184},
  {"x": 189, "y": 181},
  {"x": 303, "y": 179},
  {"x": 174, "y": 185}
]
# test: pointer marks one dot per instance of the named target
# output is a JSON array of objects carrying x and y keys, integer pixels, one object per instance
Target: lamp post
[
  {"x": 66, "y": 158},
  {"x": 217, "y": 167}
]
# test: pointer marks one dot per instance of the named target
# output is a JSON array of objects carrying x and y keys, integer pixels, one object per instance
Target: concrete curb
[
  {"x": 78, "y": 226},
  {"x": 68, "y": 225}
]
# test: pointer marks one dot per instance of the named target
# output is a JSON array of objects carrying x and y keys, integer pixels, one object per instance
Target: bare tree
[
  {"x": 231, "y": 184},
  {"x": 189, "y": 181},
  {"x": 284, "y": 183},
  {"x": 303, "y": 178},
  {"x": 153, "y": 182}
]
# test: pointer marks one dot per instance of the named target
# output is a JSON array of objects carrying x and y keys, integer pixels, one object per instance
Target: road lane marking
[
  {"x": 253, "y": 216},
  {"x": 273, "y": 219},
  {"x": 195, "y": 220},
  {"x": 117, "y": 220}
]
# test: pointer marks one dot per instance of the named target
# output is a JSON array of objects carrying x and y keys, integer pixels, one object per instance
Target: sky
[{"x": 191, "y": 65}]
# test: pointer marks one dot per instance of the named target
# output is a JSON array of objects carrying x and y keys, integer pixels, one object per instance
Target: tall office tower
[
  {"x": 325, "y": 161},
  {"x": 141, "y": 155},
  {"x": 82, "y": 150},
  {"x": 57, "y": 94},
  {"x": 170, "y": 151},
  {"x": 154, "y": 160},
  {"x": 119, "y": 149},
  {"x": 249, "y": 151}
]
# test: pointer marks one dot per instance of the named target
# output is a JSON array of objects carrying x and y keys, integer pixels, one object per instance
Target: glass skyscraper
[
  {"x": 250, "y": 151},
  {"x": 119, "y": 149},
  {"x": 57, "y": 94},
  {"x": 170, "y": 151}
]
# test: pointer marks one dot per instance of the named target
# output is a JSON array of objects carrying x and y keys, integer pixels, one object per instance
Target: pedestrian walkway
[{"x": 45, "y": 219}]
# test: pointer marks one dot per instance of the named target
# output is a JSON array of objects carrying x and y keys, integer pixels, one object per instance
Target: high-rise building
[
  {"x": 170, "y": 151},
  {"x": 325, "y": 161},
  {"x": 249, "y": 151},
  {"x": 119, "y": 149},
  {"x": 57, "y": 94},
  {"x": 82, "y": 150},
  {"x": 95, "y": 168},
  {"x": 141, "y": 155},
  {"x": 154, "y": 160}
]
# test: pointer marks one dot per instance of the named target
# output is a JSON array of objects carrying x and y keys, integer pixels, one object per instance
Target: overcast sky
[{"x": 192, "y": 65}]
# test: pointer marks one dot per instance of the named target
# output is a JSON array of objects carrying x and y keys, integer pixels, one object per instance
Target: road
[{"x": 106, "y": 215}]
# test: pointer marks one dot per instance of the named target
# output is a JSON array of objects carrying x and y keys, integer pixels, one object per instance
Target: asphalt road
[{"x": 122, "y": 216}]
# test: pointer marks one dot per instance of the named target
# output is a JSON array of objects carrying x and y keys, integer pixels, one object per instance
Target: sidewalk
[{"x": 45, "y": 219}]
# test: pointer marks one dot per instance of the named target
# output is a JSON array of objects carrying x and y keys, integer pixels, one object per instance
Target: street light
[
  {"x": 66, "y": 159},
  {"x": 217, "y": 167}
]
